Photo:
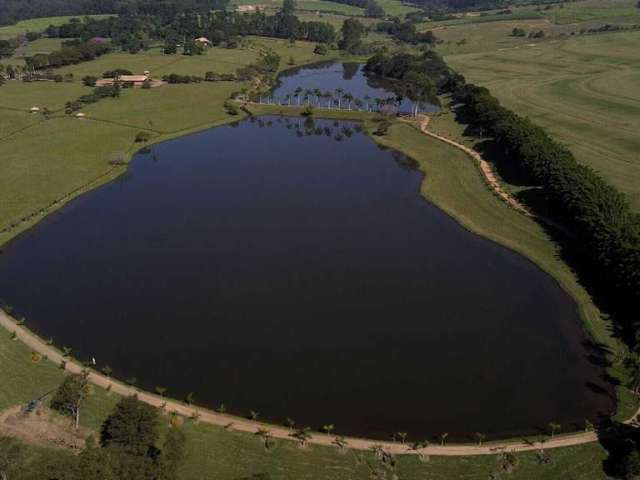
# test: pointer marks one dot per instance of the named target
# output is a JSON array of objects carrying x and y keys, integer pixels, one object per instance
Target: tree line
[
  {"x": 134, "y": 33},
  {"x": 70, "y": 54},
  {"x": 605, "y": 232}
]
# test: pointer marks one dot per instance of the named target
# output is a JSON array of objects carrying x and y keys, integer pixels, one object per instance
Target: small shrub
[
  {"x": 308, "y": 111},
  {"x": 231, "y": 108},
  {"x": 143, "y": 137},
  {"x": 321, "y": 49}
]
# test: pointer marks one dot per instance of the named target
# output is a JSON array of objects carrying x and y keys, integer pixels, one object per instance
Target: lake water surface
[{"x": 295, "y": 270}]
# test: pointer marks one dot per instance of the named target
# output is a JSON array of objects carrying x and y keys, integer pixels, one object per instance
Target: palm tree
[
  {"x": 443, "y": 437},
  {"x": 378, "y": 101},
  {"x": 419, "y": 445},
  {"x": 554, "y": 427},
  {"x": 339, "y": 92},
  {"x": 318, "y": 94},
  {"x": 341, "y": 442},
  {"x": 588, "y": 426},
  {"x": 297, "y": 94},
  {"x": 307, "y": 95},
  {"x": 328, "y": 96},
  {"x": 254, "y": 415},
  {"x": 290, "y": 423},
  {"x": 222, "y": 408},
  {"x": 402, "y": 436},
  {"x": 348, "y": 98},
  {"x": 189, "y": 398},
  {"x": 66, "y": 351},
  {"x": 161, "y": 391},
  {"x": 366, "y": 99},
  {"x": 302, "y": 435},
  {"x": 480, "y": 438},
  {"x": 287, "y": 97},
  {"x": 328, "y": 428},
  {"x": 359, "y": 104}
]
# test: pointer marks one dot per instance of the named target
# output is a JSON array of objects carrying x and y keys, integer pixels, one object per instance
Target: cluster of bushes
[
  {"x": 129, "y": 445},
  {"x": 175, "y": 78},
  {"x": 266, "y": 67},
  {"x": 116, "y": 73},
  {"x": 406, "y": 32},
  {"x": 219, "y": 77},
  {"x": 7, "y": 47},
  {"x": 519, "y": 32},
  {"x": 48, "y": 75},
  {"x": 108, "y": 91},
  {"x": 70, "y": 55},
  {"x": 400, "y": 66},
  {"x": 605, "y": 232}
]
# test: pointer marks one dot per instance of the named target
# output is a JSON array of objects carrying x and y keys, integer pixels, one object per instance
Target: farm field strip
[{"x": 565, "y": 86}]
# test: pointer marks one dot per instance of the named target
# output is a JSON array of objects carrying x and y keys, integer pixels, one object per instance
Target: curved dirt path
[
  {"x": 275, "y": 431},
  {"x": 485, "y": 167}
]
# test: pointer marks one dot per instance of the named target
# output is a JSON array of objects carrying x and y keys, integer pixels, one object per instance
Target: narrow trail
[
  {"x": 275, "y": 431},
  {"x": 485, "y": 167}
]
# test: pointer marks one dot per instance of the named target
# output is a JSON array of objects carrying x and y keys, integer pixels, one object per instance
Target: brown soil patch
[{"x": 42, "y": 427}]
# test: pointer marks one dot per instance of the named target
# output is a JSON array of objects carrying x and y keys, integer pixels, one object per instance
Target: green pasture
[
  {"x": 483, "y": 37},
  {"x": 38, "y": 24},
  {"x": 41, "y": 45},
  {"x": 304, "y": 5},
  {"x": 165, "y": 110},
  {"x": 22, "y": 95},
  {"x": 584, "y": 90},
  {"x": 582, "y": 11}
]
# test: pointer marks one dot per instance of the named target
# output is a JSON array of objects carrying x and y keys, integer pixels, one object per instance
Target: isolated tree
[
  {"x": 480, "y": 438},
  {"x": 107, "y": 371},
  {"x": 69, "y": 396},
  {"x": 553, "y": 428},
  {"x": 288, "y": 7},
  {"x": 132, "y": 427},
  {"x": 443, "y": 437},
  {"x": 290, "y": 423},
  {"x": 161, "y": 391},
  {"x": 352, "y": 33},
  {"x": 328, "y": 428}
]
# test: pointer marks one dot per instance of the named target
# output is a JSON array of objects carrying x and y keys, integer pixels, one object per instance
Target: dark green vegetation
[
  {"x": 417, "y": 77},
  {"x": 129, "y": 448}
]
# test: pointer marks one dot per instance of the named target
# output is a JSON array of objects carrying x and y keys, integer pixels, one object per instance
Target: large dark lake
[{"x": 294, "y": 269}]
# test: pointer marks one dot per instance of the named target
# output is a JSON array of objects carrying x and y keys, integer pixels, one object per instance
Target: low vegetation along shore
[{"x": 51, "y": 155}]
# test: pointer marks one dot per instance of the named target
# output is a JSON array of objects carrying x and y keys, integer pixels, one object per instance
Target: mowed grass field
[
  {"x": 38, "y": 24},
  {"x": 303, "y": 6},
  {"x": 585, "y": 90},
  {"x": 43, "y": 161}
]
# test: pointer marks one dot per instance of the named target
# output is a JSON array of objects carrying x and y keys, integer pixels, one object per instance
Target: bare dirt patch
[{"x": 42, "y": 427}]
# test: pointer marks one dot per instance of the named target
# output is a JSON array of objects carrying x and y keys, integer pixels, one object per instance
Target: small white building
[
  {"x": 34, "y": 110},
  {"x": 203, "y": 41},
  {"x": 81, "y": 115}
]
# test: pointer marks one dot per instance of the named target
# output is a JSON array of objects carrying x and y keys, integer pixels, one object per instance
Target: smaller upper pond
[{"x": 342, "y": 85}]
